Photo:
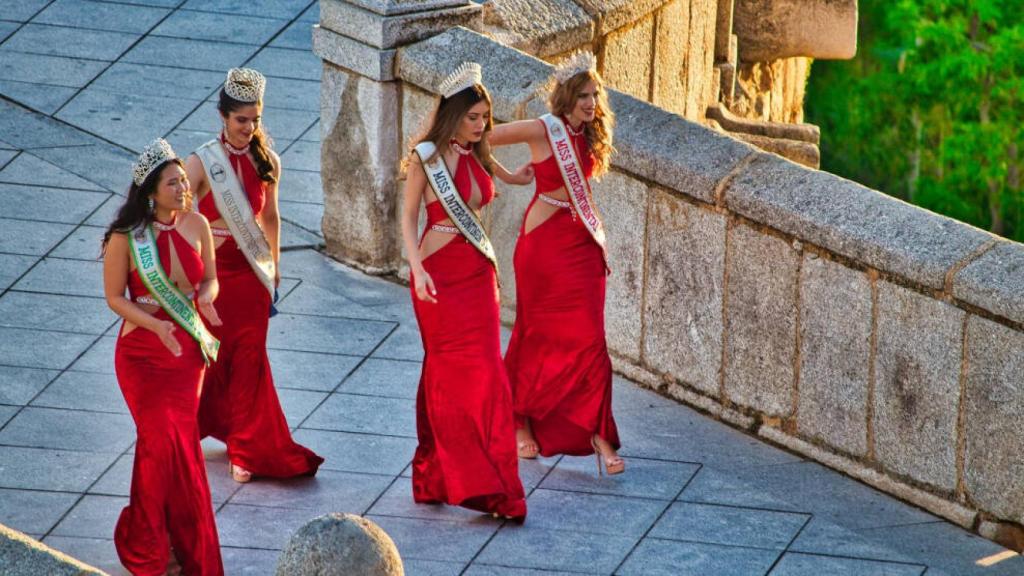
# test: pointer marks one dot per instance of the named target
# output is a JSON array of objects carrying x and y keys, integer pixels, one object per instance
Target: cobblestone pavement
[{"x": 84, "y": 85}]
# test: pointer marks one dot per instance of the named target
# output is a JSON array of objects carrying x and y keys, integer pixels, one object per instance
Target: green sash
[{"x": 142, "y": 243}]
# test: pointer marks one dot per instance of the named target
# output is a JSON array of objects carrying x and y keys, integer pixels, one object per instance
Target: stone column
[{"x": 360, "y": 125}]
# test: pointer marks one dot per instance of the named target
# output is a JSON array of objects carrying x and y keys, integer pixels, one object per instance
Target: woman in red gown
[
  {"x": 160, "y": 370},
  {"x": 239, "y": 404},
  {"x": 466, "y": 453},
  {"x": 557, "y": 360}
]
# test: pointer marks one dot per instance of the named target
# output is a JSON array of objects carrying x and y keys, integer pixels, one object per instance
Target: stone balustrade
[{"x": 876, "y": 337}]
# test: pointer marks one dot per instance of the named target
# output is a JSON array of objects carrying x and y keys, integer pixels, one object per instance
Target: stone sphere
[{"x": 340, "y": 544}]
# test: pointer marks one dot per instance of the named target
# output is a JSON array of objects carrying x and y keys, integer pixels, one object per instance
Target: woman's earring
[{"x": 150, "y": 204}]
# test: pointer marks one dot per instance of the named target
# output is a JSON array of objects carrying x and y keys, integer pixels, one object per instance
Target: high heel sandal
[
  {"x": 613, "y": 466},
  {"x": 239, "y": 474}
]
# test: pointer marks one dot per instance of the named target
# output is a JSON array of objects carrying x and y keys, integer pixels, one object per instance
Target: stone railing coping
[
  {"x": 841, "y": 216},
  {"x": 390, "y": 7},
  {"x": 614, "y": 14},
  {"x": 388, "y": 31},
  {"x": 995, "y": 281},
  {"x": 647, "y": 137},
  {"x": 852, "y": 220},
  {"x": 541, "y": 27}
]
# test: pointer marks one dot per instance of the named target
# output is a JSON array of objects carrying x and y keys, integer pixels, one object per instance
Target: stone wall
[
  {"x": 737, "y": 65},
  {"x": 871, "y": 335}
]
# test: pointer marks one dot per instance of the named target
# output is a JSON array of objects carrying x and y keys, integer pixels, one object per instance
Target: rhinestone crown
[
  {"x": 577, "y": 63},
  {"x": 466, "y": 75},
  {"x": 245, "y": 84},
  {"x": 153, "y": 155}
]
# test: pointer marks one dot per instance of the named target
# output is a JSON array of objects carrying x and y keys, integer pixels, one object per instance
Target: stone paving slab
[{"x": 698, "y": 497}]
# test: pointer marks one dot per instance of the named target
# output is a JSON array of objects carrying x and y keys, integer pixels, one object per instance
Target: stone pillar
[{"x": 360, "y": 111}]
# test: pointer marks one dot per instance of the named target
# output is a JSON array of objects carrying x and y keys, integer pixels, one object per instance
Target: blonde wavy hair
[{"x": 562, "y": 101}]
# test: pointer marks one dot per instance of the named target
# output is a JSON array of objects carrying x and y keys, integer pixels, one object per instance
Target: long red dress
[
  {"x": 239, "y": 405},
  {"x": 557, "y": 359},
  {"x": 467, "y": 451},
  {"x": 170, "y": 498}
]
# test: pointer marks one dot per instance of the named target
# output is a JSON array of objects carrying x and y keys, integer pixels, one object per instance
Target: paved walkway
[{"x": 103, "y": 78}]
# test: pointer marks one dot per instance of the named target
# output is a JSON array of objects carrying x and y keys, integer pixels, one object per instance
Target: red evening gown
[
  {"x": 170, "y": 498},
  {"x": 467, "y": 451},
  {"x": 239, "y": 405},
  {"x": 557, "y": 359}
]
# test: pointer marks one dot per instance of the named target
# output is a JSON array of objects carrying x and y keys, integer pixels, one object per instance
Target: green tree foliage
[{"x": 931, "y": 108}]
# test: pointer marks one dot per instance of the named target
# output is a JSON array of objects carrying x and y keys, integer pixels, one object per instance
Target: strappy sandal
[{"x": 613, "y": 465}]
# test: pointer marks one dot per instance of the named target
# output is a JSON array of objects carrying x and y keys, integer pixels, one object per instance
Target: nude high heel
[{"x": 614, "y": 466}]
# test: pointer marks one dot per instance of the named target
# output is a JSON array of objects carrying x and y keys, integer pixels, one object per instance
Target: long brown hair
[
  {"x": 449, "y": 114},
  {"x": 261, "y": 142},
  {"x": 562, "y": 101},
  {"x": 135, "y": 211}
]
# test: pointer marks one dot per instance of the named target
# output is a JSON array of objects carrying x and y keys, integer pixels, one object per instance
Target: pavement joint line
[
  {"x": 906, "y": 525},
  {"x": 307, "y": 315},
  {"x": 38, "y": 222},
  {"x": 244, "y": 62},
  {"x": 22, "y": 24},
  {"x": 11, "y": 159},
  {"x": 65, "y": 124},
  {"x": 658, "y": 519},
  {"x": 742, "y": 507},
  {"x": 851, "y": 557},
  {"x": 792, "y": 540},
  {"x": 53, "y": 187},
  {"x": 361, "y": 432},
  {"x": 504, "y": 522},
  {"x": 53, "y": 449},
  {"x": 108, "y": 66}
]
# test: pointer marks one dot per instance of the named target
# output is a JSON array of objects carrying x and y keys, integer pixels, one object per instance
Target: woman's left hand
[{"x": 205, "y": 302}]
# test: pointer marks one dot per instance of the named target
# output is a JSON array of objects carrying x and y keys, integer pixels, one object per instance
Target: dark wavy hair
[
  {"x": 135, "y": 211},
  {"x": 261, "y": 142}
]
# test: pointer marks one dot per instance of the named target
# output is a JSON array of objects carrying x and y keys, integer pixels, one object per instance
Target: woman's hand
[
  {"x": 522, "y": 176},
  {"x": 424, "y": 285},
  {"x": 205, "y": 302},
  {"x": 165, "y": 330}
]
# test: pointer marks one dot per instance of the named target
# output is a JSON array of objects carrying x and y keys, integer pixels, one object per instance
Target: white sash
[
  {"x": 142, "y": 243},
  {"x": 461, "y": 215},
  {"x": 576, "y": 183},
  {"x": 233, "y": 205}
]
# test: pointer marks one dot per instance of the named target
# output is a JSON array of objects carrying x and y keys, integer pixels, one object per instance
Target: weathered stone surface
[
  {"x": 394, "y": 7},
  {"x": 21, "y": 555},
  {"x": 364, "y": 59},
  {"x": 683, "y": 301},
  {"x": 626, "y": 65},
  {"x": 835, "y": 352},
  {"x": 701, "y": 58},
  {"x": 993, "y": 426},
  {"x": 615, "y": 14},
  {"x": 668, "y": 150},
  {"x": 513, "y": 78},
  {"x": 504, "y": 217},
  {"x": 340, "y": 544},
  {"x": 852, "y": 220},
  {"x": 622, "y": 202},
  {"x": 823, "y": 29},
  {"x": 672, "y": 43},
  {"x": 917, "y": 385},
  {"x": 995, "y": 281},
  {"x": 539, "y": 27},
  {"x": 359, "y": 161},
  {"x": 760, "y": 321},
  {"x": 418, "y": 107},
  {"x": 382, "y": 31}
]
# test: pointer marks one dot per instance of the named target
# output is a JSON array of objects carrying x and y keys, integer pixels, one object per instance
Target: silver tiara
[
  {"x": 465, "y": 76},
  {"x": 153, "y": 155},
  {"x": 577, "y": 63},
  {"x": 245, "y": 84}
]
